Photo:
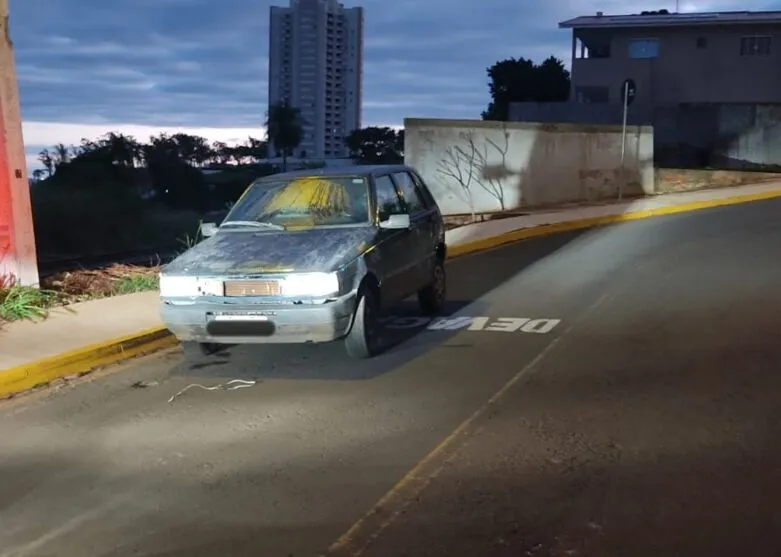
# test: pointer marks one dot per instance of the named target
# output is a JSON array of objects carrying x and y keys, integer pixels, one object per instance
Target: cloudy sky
[{"x": 87, "y": 67}]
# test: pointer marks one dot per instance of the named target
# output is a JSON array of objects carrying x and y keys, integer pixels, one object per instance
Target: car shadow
[{"x": 470, "y": 278}]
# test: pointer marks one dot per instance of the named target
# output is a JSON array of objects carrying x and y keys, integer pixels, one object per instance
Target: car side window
[
  {"x": 423, "y": 190},
  {"x": 410, "y": 192},
  {"x": 388, "y": 200}
]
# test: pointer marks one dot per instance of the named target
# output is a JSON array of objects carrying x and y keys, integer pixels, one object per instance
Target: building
[
  {"x": 316, "y": 63},
  {"x": 676, "y": 58}
]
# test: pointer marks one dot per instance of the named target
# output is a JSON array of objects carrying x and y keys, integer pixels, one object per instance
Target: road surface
[{"x": 608, "y": 392}]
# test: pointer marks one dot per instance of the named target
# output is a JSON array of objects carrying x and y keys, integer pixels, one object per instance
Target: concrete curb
[
  {"x": 83, "y": 360},
  {"x": 579, "y": 224}
]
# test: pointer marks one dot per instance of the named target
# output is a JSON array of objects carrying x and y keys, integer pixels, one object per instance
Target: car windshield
[{"x": 303, "y": 202}]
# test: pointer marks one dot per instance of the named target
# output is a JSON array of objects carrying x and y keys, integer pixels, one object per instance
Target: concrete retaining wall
[{"x": 479, "y": 166}]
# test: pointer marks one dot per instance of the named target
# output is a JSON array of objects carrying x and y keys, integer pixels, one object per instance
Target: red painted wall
[{"x": 6, "y": 211}]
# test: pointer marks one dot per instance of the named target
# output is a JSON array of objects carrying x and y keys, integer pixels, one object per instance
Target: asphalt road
[{"x": 634, "y": 410}]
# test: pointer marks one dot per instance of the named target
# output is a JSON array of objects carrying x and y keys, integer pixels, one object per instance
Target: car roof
[{"x": 352, "y": 170}]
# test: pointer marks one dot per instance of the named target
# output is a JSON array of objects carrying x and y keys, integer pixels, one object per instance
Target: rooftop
[{"x": 661, "y": 19}]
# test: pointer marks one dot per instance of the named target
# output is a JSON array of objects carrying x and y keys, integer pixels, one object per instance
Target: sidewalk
[
  {"x": 86, "y": 323},
  {"x": 105, "y": 331},
  {"x": 604, "y": 213}
]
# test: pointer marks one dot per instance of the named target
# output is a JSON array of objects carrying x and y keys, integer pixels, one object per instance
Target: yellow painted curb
[
  {"x": 548, "y": 229},
  {"x": 82, "y": 360}
]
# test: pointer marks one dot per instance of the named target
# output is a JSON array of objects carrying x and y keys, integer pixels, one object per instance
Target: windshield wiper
[{"x": 253, "y": 223}]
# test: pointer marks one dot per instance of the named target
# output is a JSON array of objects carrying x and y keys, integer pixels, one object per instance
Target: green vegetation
[
  {"x": 521, "y": 80},
  {"x": 285, "y": 129},
  {"x": 116, "y": 195},
  {"x": 375, "y": 145},
  {"x": 19, "y": 302}
]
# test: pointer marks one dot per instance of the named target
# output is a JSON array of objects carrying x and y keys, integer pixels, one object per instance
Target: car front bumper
[{"x": 216, "y": 321}]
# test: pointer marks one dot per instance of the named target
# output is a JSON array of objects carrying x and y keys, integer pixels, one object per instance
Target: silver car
[{"x": 310, "y": 257}]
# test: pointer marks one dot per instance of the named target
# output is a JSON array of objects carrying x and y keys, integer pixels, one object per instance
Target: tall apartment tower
[{"x": 316, "y": 63}]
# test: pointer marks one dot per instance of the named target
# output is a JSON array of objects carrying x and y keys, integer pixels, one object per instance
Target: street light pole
[{"x": 18, "y": 258}]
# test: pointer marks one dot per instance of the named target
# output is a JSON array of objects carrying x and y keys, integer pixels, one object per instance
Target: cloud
[{"x": 144, "y": 66}]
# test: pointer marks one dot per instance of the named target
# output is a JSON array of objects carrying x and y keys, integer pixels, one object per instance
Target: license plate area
[
  {"x": 240, "y": 318},
  {"x": 239, "y": 323},
  {"x": 233, "y": 316}
]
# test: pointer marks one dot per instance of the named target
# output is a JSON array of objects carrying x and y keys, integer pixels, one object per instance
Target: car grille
[{"x": 253, "y": 288}]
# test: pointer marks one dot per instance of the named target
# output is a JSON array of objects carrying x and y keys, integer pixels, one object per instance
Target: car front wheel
[
  {"x": 362, "y": 340},
  {"x": 432, "y": 296}
]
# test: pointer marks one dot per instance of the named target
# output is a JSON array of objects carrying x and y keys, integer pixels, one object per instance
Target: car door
[
  {"x": 395, "y": 265},
  {"x": 423, "y": 217}
]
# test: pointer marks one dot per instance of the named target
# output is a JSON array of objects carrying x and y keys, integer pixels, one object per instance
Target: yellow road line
[
  {"x": 368, "y": 528},
  {"x": 578, "y": 224}
]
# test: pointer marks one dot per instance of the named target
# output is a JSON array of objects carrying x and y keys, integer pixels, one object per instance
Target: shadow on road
[{"x": 470, "y": 278}]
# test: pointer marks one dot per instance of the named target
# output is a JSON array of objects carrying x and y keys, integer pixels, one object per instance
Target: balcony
[{"x": 598, "y": 71}]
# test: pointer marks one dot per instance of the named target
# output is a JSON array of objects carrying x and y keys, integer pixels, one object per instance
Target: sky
[{"x": 141, "y": 67}]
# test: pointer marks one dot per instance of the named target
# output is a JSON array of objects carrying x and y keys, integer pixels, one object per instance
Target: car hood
[{"x": 251, "y": 251}]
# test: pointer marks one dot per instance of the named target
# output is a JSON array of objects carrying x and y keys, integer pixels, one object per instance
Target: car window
[
  {"x": 388, "y": 200},
  {"x": 409, "y": 191},
  {"x": 423, "y": 190}
]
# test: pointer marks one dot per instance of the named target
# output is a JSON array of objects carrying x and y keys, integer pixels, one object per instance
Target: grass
[{"x": 18, "y": 303}]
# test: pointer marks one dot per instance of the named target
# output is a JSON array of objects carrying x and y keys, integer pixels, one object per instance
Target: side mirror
[
  {"x": 396, "y": 222},
  {"x": 208, "y": 229}
]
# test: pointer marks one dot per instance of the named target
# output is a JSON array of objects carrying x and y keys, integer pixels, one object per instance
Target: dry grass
[
  {"x": 23, "y": 302},
  {"x": 99, "y": 283}
]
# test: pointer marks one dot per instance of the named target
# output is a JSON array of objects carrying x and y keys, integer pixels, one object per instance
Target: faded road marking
[{"x": 498, "y": 324}]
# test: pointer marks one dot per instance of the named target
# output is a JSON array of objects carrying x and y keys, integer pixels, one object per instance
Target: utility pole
[{"x": 18, "y": 259}]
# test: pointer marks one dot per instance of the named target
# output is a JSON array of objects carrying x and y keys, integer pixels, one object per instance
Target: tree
[
  {"x": 374, "y": 145},
  {"x": 257, "y": 149},
  {"x": 521, "y": 80},
  {"x": 47, "y": 160},
  {"x": 285, "y": 129},
  {"x": 61, "y": 154},
  {"x": 121, "y": 149}
]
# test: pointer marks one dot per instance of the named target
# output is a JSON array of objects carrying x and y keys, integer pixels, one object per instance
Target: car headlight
[
  {"x": 311, "y": 285},
  {"x": 174, "y": 287}
]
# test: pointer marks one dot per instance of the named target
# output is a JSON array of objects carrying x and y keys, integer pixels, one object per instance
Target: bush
[{"x": 73, "y": 222}]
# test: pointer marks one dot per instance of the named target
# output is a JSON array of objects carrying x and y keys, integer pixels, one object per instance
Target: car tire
[
  {"x": 432, "y": 297},
  {"x": 362, "y": 340}
]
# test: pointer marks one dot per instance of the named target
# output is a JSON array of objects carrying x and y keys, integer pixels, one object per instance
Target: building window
[
  {"x": 755, "y": 46},
  {"x": 643, "y": 49},
  {"x": 702, "y": 42}
]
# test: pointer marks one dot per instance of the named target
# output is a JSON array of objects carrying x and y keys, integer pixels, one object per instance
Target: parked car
[{"x": 310, "y": 256}]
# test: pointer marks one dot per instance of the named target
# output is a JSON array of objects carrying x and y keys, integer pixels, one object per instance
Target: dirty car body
[{"x": 299, "y": 251}]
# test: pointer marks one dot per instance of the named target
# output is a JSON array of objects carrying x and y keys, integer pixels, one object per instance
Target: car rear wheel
[
  {"x": 362, "y": 340},
  {"x": 432, "y": 297}
]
